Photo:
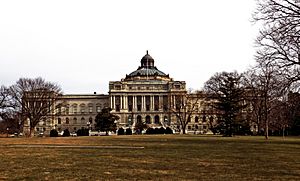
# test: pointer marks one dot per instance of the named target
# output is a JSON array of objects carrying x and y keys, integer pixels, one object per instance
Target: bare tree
[
  {"x": 186, "y": 104},
  {"x": 6, "y": 103},
  {"x": 279, "y": 41},
  {"x": 35, "y": 98},
  {"x": 265, "y": 87}
]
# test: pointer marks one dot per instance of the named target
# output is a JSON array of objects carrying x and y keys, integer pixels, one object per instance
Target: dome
[
  {"x": 147, "y": 72},
  {"x": 147, "y": 69}
]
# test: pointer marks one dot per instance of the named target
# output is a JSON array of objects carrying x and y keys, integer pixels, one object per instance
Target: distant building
[{"x": 146, "y": 94}]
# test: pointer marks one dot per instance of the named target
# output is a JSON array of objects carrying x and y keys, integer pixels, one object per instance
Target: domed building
[{"x": 145, "y": 95}]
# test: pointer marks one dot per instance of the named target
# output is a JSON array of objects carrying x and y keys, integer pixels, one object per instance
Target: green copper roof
[{"x": 143, "y": 71}]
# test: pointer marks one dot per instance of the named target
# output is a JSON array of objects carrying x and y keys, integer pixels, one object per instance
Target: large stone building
[{"x": 146, "y": 94}]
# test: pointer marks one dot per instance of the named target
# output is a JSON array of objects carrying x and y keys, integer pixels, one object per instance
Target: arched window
[
  {"x": 90, "y": 107},
  {"x": 74, "y": 120},
  {"x": 196, "y": 119},
  {"x": 91, "y": 120},
  {"x": 189, "y": 119},
  {"x": 148, "y": 119},
  {"x": 204, "y": 119},
  {"x": 82, "y": 108},
  {"x": 98, "y": 107},
  {"x": 74, "y": 106},
  {"x": 67, "y": 121},
  {"x": 58, "y": 120},
  {"x": 83, "y": 120},
  {"x": 139, "y": 119},
  {"x": 156, "y": 119}
]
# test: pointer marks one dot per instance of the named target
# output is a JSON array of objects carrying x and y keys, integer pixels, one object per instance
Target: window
[
  {"x": 82, "y": 120},
  {"x": 165, "y": 103},
  {"x": 130, "y": 103},
  {"x": 67, "y": 110},
  {"x": 118, "y": 87},
  {"x": 59, "y": 110},
  {"x": 139, "y": 103},
  {"x": 67, "y": 121},
  {"x": 82, "y": 108},
  {"x": 204, "y": 119},
  {"x": 196, "y": 119},
  {"x": 118, "y": 103},
  {"x": 204, "y": 127},
  {"x": 98, "y": 109},
  {"x": 156, "y": 119},
  {"x": 90, "y": 109},
  {"x": 148, "y": 119},
  {"x": 59, "y": 121},
  {"x": 156, "y": 103},
  {"x": 91, "y": 120},
  {"x": 74, "y": 109},
  {"x": 147, "y": 103}
]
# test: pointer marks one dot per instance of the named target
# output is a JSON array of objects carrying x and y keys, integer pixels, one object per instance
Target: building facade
[{"x": 145, "y": 95}]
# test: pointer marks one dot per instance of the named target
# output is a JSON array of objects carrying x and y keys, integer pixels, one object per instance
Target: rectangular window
[
  {"x": 130, "y": 103},
  {"x": 90, "y": 109},
  {"x": 165, "y": 103},
  {"x": 147, "y": 103},
  {"x": 139, "y": 103},
  {"x": 118, "y": 103},
  {"x": 156, "y": 103}
]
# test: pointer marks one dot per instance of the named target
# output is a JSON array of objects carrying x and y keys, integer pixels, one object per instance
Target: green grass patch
[{"x": 164, "y": 157}]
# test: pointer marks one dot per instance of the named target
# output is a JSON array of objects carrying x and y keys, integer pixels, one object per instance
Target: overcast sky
[{"x": 82, "y": 45}]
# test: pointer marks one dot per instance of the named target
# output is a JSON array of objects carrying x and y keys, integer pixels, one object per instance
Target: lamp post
[
  {"x": 88, "y": 124},
  {"x": 7, "y": 129}
]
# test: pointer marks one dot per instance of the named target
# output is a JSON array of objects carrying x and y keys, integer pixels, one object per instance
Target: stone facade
[{"x": 147, "y": 94}]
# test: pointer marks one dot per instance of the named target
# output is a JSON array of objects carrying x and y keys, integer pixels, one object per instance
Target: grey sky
[{"x": 82, "y": 45}]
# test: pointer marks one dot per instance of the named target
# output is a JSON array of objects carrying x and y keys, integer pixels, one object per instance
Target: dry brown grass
[{"x": 164, "y": 157}]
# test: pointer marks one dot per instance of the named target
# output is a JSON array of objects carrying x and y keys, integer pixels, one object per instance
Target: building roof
[{"x": 147, "y": 69}]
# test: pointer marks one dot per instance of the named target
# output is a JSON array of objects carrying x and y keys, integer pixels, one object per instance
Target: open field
[{"x": 164, "y": 157}]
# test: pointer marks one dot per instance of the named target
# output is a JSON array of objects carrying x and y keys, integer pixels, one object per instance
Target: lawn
[{"x": 164, "y": 157}]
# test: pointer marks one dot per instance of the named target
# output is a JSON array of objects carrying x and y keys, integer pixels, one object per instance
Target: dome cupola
[
  {"x": 147, "y": 61},
  {"x": 147, "y": 71}
]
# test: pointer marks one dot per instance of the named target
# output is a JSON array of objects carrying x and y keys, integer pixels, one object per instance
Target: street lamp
[
  {"x": 7, "y": 129},
  {"x": 88, "y": 125}
]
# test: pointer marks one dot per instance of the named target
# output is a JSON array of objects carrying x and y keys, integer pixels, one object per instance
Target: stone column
[
  {"x": 151, "y": 103},
  {"x": 126, "y": 102},
  {"x": 114, "y": 102},
  {"x": 111, "y": 102},
  {"x": 143, "y": 103},
  {"x": 134, "y": 103},
  {"x": 160, "y": 103},
  {"x": 121, "y": 102}
]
